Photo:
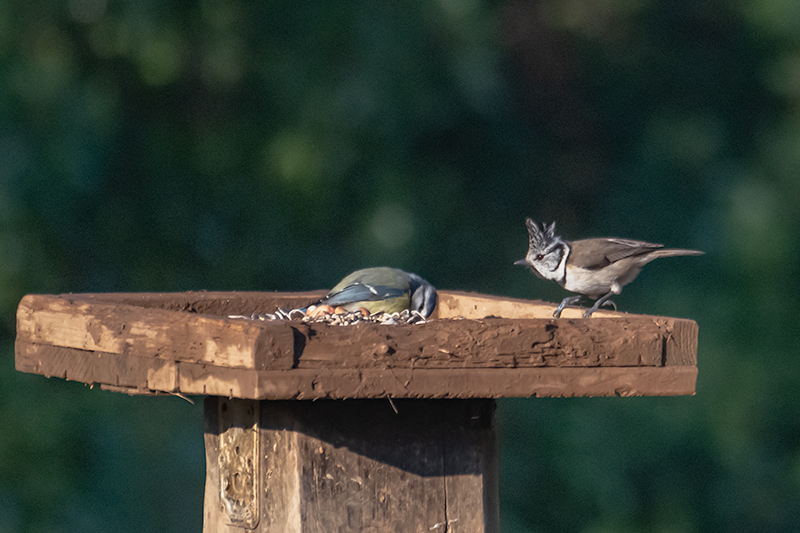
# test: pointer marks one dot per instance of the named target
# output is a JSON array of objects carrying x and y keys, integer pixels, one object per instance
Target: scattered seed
[
  {"x": 338, "y": 316},
  {"x": 296, "y": 313}
]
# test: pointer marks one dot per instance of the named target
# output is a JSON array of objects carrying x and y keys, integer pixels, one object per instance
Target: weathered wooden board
[
  {"x": 135, "y": 331},
  {"x": 472, "y": 350},
  {"x": 478, "y": 343},
  {"x": 143, "y": 375},
  {"x": 357, "y": 467},
  {"x": 486, "y": 343}
]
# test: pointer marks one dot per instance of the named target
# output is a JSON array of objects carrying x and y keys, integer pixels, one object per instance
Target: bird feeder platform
[{"x": 424, "y": 460}]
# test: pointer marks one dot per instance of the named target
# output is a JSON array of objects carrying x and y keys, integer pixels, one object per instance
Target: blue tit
[{"x": 384, "y": 289}]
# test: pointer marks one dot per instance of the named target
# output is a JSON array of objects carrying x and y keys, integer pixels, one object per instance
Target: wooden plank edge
[
  {"x": 215, "y": 303},
  {"x": 681, "y": 342},
  {"x": 193, "y": 379},
  {"x": 473, "y": 305},
  {"x": 131, "y": 391},
  {"x": 93, "y": 367},
  {"x": 146, "y": 332},
  {"x": 478, "y": 383}
]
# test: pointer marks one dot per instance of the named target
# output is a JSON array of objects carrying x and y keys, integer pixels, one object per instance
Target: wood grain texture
[
  {"x": 486, "y": 343},
  {"x": 105, "y": 339},
  {"x": 362, "y": 467},
  {"x": 143, "y": 332},
  {"x": 472, "y": 305},
  {"x": 138, "y": 374}
]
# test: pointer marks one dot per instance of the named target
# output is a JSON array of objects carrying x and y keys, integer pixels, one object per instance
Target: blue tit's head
[{"x": 423, "y": 295}]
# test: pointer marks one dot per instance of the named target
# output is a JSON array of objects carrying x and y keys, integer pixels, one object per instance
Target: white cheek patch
[{"x": 551, "y": 268}]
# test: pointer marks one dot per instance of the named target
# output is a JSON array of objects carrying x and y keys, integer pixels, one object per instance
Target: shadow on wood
[{"x": 356, "y": 466}]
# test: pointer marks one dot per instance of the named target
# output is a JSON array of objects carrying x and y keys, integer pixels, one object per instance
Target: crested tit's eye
[{"x": 539, "y": 257}]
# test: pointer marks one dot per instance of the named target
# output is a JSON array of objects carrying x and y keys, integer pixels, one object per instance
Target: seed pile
[{"x": 338, "y": 316}]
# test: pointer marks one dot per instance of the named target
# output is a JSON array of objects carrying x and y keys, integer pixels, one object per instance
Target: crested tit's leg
[
  {"x": 601, "y": 301},
  {"x": 569, "y": 301}
]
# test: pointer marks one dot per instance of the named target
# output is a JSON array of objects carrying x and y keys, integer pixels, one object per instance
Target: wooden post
[
  {"x": 302, "y": 435},
  {"x": 351, "y": 466}
]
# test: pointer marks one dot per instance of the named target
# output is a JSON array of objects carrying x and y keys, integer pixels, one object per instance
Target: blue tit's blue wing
[{"x": 362, "y": 292}]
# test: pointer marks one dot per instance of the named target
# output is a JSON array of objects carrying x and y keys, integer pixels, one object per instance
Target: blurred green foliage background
[{"x": 231, "y": 145}]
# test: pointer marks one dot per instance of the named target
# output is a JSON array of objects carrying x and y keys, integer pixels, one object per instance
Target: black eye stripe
[{"x": 551, "y": 250}]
